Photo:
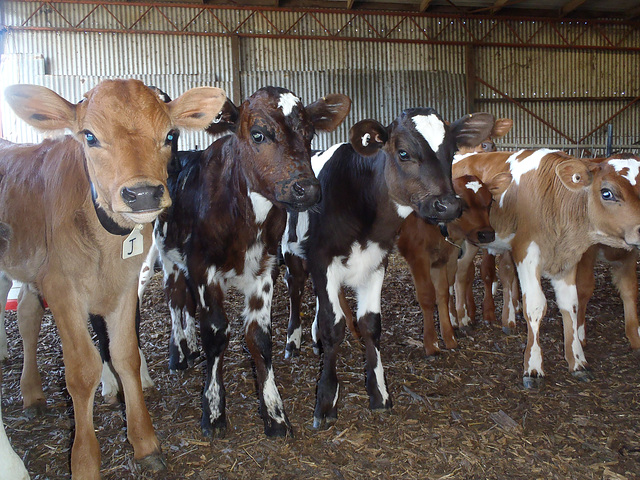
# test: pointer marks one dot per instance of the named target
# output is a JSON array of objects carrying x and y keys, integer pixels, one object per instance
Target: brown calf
[
  {"x": 79, "y": 207},
  {"x": 432, "y": 258},
  {"x": 556, "y": 207}
]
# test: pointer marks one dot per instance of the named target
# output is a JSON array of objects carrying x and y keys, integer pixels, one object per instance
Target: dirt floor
[{"x": 463, "y": 415}]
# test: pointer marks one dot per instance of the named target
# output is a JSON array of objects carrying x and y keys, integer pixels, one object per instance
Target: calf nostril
[
  {"x": 486, "y": 236},
  {"x": 129, "y": 196},
  {"x": 439, "y": 206},
  {"x": 298, "y": 189},
  {"x": 159, "y": 192}
]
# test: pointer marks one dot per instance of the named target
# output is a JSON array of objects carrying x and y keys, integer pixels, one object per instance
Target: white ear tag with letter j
[{"x": 133, "y": 244}]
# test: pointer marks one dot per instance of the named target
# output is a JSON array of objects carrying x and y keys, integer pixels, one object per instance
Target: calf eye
[
  {"x": 92, "y": 141},
  {"x": 403, "y": 155},
  {"x": 607, "y": 194},
  {"x": 257, "y": 137},
  {"x": 171, "y": 137}
]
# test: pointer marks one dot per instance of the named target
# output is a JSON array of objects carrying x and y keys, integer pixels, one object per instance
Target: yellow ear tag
[{"x": 133, "y": 244}]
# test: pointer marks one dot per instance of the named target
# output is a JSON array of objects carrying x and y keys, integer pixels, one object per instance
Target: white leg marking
[
  {"x": 567, "y": 299},
  {"x": 12, "y": 466},
  {"x": 536, "y": 302},
  {"x": 272, "y": 399},
  {"x": 295, "y": 337},
  {"x": 379, "y": 373},
  {"x": 109, "y": 381},
  {"x": 213, "y": 392},
  {"x": 144, "y": 372}
]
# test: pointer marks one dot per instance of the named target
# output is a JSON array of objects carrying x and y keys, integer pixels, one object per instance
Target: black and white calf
[
  {"x": 223, "y": 230},
  {"x": 368, "y": 188}
]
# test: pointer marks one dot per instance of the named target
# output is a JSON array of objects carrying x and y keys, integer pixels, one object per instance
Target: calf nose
[
  {"x": 144, "y": 197},
  {"x": 443, "y": 208},
  {"x": 486, "y": 236}
]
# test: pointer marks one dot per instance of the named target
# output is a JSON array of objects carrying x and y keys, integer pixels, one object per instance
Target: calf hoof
[
  {"x": 278, "y": 429},
  {"x": 532, "y": 382},
  {"x": 152, "y": 463},
  {"x": 323, "y": 423},
  {"x": 216, "y": 430},
  {"x": 113, "y": 399},
  {"x": 507, "y": 330},
  {"x": 583, "y": 375},
  {"x": 317, "y": 348},
  {"x": 291, "y": 351},
  {"x": 36, "y": 409}
]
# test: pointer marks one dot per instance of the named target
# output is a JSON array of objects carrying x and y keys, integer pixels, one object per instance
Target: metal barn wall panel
[
  {"x": 574, "y": 96},
  {"x": 381, "y": 79},
  {"x": 73, "y": 63}
]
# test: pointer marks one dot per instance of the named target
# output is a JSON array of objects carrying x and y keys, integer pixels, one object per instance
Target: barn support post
[
  {"x": 470, "y": 75},
  {"x": 236, "y": 81}
]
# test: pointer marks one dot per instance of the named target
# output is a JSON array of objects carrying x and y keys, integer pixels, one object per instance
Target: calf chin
[{"x": 442, "y": 208}]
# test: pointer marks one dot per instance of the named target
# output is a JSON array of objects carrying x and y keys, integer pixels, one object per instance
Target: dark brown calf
[{"x": 80, "y": 207}]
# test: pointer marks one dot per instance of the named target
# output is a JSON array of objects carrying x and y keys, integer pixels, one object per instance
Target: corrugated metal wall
[{"x": 382, "y": 78}]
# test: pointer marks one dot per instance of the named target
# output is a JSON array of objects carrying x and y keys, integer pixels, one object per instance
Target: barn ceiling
[{"x": 583, "y": 9}]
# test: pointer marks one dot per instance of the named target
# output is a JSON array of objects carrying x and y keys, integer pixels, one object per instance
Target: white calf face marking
[
  {"x": 532, "y": 162},
  {"x": 631, "y": 166},
  {"x": 403, "y": 210},
  {"x": 474, "y": 186},
  {"x": 431, "y": 128},
  {"x": 287, "y": 102},
  {"x": 319, "y": 159}
]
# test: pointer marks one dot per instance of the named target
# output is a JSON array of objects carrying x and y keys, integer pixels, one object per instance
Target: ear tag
[
  {"x": 575, "y": 178},
  {"x": 134, "y": 244}
]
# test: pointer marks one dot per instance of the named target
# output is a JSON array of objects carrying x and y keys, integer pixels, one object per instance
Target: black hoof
[
  {"x": 291, "y": 351},
  {"x": 532, "y": 382},
  {"x": 152, "y": 463},
  {"x": 323, "y": 423},
  {"x": 37, "y": 409},
  {"x": 583, "y": 375},
  {"x": 216, "y": 430},
  {"x": 278, "y": 429}
]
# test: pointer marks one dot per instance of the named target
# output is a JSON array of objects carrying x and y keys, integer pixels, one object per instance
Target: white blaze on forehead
[
  {"x": 287, "y": 102},
  {"x": 632, "y": 166},
  {"x": 475, "y": 186},
  {"x": 431, "y": 128},
  {"x": 532, "y": 162}
]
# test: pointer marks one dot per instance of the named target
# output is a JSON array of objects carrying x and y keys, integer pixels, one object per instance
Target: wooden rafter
[
  {"x": 570, "y": 6},
  {"x": 424, "y": 4},
  {"x": 632, "y": 13},
  {"x": 350, "y": 4},
  {"x": 498, "y": 5}
]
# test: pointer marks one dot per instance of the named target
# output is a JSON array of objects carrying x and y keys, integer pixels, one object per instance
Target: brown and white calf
[
  {"x": 224, "y": 228},
  {"x": 369, "y": 187},
  {"x": 80, "y": 208},
  {"x": 432, "y": 257},
  {"x": 556, "y": 207}
]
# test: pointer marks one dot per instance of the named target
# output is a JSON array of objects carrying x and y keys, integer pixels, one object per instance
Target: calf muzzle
[
  {"x": 300, "y": 194},
  {"x": 143, "y": 197},
  {"x": 442, "y": 208},
  {"x": 486, "y": 236}
]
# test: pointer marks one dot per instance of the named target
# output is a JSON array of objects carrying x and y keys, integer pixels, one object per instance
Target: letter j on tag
[{"x": 133, "y": 244}]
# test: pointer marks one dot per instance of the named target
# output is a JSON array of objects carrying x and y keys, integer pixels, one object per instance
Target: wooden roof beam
[
  {"x": 632, "y": 12},
  {"x": 498, "y": 5},
  {"x": 424, "y": 4},
  {"x": 570, "y": 6},
  {"x": 350, "y": 4}
]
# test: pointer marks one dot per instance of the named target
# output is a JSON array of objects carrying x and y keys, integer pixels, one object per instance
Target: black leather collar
[{"x": 105, "y": 220}]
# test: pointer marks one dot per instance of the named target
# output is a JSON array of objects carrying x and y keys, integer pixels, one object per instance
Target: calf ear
[
  {"x": 501, "y": 127},
  {"x": 498, "y": 184},
  {"x": 367, "y": 137},
  {"x": 471, "y": 130},
  {"x": 40, "y": 107},
  {"x": 574, "y": 174},
  {"x": 225, "y": 121},
  {"x": 195, "y": 109},
  {"x": 329, "y": 112}
]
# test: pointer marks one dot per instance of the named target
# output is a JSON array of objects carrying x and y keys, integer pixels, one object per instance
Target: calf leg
[
  {"x": 465, "y": 304},
  {"x": 585, "y": 284},
  {"x": 5, "y": 287},
  {"x": 369, "y": 326},
  {"x": 510, "y": 292},
  {"x": 257, "y": 316},
  {"x": 125, "y": 357},
  {"x": 30, "y": 312},
  {"x": 567, "y": 299},
  {"x": 440, "y": 275},
  {"x": 183, "y": 349},
  {"x": 296, "y": 277},
  {"x": 534, "y": 308},
  {"x": 488, "y": 274},
  {"x": 82, "y": 373},
  {"x": 624, "y": 277}
]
